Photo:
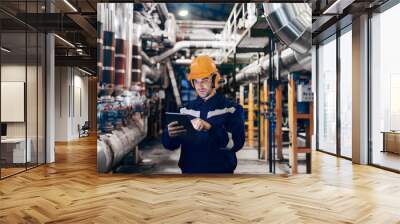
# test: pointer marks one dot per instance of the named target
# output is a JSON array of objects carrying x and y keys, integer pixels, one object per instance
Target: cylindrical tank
[
  {"x": 108, "y": 62},
  {"x": 136, "y": 64},
  {"x": 99, "y": 54},
  {"x": 120, "y": 62},
  {"x": 104, "y": 157},
  {"x": 137, "y": 48}
]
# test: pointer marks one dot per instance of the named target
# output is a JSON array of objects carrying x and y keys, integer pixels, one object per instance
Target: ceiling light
[
  {"x": 65, "y": 41},
  {"x": 5, "y": 50},
  {"x": 70, "y": 5},
  {"x": 183, "y": 13}
]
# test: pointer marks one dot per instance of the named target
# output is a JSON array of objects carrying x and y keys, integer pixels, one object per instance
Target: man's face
[{"x": 203, "y": 86}]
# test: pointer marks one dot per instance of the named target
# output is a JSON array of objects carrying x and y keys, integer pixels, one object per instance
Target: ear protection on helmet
[{"x": 215, "y": 78}]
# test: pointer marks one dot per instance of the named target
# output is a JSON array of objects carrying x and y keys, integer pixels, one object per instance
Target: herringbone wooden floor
[{"x": 70, "y": 191}]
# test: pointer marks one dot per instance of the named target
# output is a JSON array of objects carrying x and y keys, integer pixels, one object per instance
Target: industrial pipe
[
  {"x": 152, "y": 73},
  {"x": 99, "y": 53},
  {"x": 112, "y": 148},
  {"x": 189, "y": 44},
  {"x": 291, "y": 22}
]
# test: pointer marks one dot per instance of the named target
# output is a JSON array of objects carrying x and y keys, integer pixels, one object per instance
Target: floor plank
[{"x": 70, "y": 191}]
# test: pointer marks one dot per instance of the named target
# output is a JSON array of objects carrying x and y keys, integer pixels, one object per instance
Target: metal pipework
[
  {"x": 288, "y": 62},
  {"x": 113, "y": 147},
  {"x": 189, "y": 44},
  {"x": 291, "y": 22},
  {"x": 152, "y": 73}
]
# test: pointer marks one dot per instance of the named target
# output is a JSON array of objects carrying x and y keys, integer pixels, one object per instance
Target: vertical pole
[
  {"x": 251, "y": 115},
  {"x": 262, "y": 122},
  {"x": 309, "y": 131},
  {"x": 266, "y": 121},
  {"x": 0, "y": 95},
  {"x": 338, "y": 123},
  {"x": 292, "y": 125},
  {"x": 259, "y": 114},
  {"x": 270, "y": 76},
  {"x": 234, "y": 71},
  {"x": 241, "y": 95},
  {"x": 278, "y": 111},
  {"x": 50, "y": 92}
]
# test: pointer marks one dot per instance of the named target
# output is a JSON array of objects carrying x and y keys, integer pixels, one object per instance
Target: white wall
[
  {"x": 33, "y": 127},
  {"x": 71, "y": 94},
  {"x": 13, "y": 73}
]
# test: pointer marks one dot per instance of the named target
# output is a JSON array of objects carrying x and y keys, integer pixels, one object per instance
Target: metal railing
[{"x": 242, "y": 18}]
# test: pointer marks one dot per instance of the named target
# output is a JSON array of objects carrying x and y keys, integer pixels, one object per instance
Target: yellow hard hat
[{"x": 202, "y": 67}]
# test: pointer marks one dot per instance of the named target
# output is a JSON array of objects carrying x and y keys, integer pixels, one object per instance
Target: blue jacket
[{"x": 212, "y": 151}]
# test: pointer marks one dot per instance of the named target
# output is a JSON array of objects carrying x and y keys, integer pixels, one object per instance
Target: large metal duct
[{"x": 291, "y": 22}]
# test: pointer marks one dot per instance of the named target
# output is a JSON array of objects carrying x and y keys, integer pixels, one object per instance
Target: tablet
[{"x": 182, "y": 119}]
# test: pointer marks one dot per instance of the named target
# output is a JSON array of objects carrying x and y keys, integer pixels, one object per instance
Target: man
[{"x": 219, "y": 125}]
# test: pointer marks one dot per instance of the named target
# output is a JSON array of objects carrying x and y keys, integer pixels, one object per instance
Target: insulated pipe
[
  {"x": 112, "y": 148},
  {"x": 292, "y": 24},
  {"x": 163, "y": 11},
  {"x": 146, "y": 59},
  {"x": 99, "y": 53},
  {"x": 120, "y": 63},
  {"x": 189, "y": 44},
  {"x": 136, "y": 73},
  {"x": 198, "y": 35},
  {"x": 136, "y": 64},
  {"x": 174, "y": 83},
  {"x": 152, "y": 73},
  {"x": 288, "y": 62},
  {"x": 109, "y": 59},
  {"x": 171, "y": 28}
]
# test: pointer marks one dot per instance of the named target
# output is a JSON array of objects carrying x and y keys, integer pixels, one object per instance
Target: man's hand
[
  {"x": 200, "y": 125},
  {"x": 174, "y": 129}
]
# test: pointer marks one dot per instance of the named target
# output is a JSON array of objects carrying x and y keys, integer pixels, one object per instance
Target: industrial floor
[
  {"x": 71, "y": 191},
  {"x": 161, "y": 161}
]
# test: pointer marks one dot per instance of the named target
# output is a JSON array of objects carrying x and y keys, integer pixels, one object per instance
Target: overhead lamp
[
  {"x": 183, "y": 12},
  {"x": 64, "y": 40},
  {"x": 5, "y": 50},
  {"x": 70, "y": 5}
]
